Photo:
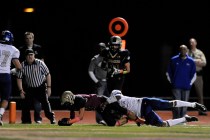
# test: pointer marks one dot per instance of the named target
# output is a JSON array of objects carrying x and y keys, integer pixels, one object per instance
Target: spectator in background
[
  {"x": 29, "y": 44},
  {"x": 118, "y": 62},
  {"x": 200, "y": 62},
  {"x": 39, "y": 53},
  {"x": 181, "y": 73},
  {"x": 98, "y": 75},
  {"x": 37, "y": 79},
  {"x": 8, "y": 54}
]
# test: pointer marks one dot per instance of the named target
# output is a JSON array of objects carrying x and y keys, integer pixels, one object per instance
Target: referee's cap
[{"x": 29, "y": 51}]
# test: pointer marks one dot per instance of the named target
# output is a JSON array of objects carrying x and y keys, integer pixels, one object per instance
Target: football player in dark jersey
[
  {"x": 112, "y": 114},
  {"x": 117, "y": 63}
]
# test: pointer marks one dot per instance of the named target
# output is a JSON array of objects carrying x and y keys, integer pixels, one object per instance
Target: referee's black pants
[{"x": 39, "y": 94}]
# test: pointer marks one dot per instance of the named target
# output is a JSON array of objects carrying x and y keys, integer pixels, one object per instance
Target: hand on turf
[{"x": 64, "y": 122}]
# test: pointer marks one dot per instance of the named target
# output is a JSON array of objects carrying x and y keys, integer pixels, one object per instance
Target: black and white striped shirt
[{"x": 34, "y": 74}]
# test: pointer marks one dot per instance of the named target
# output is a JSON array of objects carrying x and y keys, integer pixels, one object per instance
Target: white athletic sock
[
  {"x": 2, "y": 110},
  {"x": 184, "y": 104},
  {"x": 173, "y": 122}
]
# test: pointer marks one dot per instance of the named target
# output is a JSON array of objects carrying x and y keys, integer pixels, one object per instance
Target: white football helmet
[{"x": 116, "y": 93}]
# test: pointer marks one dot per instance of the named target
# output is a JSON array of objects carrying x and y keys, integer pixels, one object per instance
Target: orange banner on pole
[{"x": 123, "y": 44}]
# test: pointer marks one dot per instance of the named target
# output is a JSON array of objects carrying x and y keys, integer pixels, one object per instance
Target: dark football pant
[
  {"x": 148, "y": 107},
  {"x": 40, "y": 95},
  {"x": 37, "y": 108},
  {"x": 112, "y": 113}
]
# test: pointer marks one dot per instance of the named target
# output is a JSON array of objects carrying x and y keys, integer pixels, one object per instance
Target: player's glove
[
  {"x": 115, "y": 71},
  {"x": 64, "y": 122}
]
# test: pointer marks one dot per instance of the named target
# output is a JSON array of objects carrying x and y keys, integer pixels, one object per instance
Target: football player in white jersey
[
  {"x": 8, "y": 54},
  {"x": 144, "y": 108}
]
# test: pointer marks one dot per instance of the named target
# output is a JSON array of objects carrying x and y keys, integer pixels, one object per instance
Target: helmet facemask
[
  {"x": 115, "y": 43},
  {"x": 115, "y": 48}
]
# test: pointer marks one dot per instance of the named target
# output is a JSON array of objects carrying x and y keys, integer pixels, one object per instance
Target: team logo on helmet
[
  {"x": 67, "y": 97},
  {"x": 7, "y": 36}
]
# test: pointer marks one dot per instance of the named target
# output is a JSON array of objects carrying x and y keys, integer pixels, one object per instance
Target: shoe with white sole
[{"x": 191, "y": 118}]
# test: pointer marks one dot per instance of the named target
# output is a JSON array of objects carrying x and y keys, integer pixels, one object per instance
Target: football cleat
[
  {"x": 200, "y": 107},
  {"x": 191, "y": 118},
  {"x": 38, "y": 122},
  {"x": 53, "y": 121},
  {"x": 102, "y": 122},
  {"x": 202, "y": 113}
]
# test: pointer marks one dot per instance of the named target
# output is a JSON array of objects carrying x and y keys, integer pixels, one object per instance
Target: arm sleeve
[
  {"x": 92, "y": 76},
  {"x": 76, "y": 119}
]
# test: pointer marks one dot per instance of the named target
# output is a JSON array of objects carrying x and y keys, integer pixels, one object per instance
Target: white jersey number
[{"x": 4, "y": 55}]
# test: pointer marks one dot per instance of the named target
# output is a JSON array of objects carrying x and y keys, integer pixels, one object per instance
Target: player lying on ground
[
  {"x": 144, "y": 108},
  {"x": 113, "y": 114}
]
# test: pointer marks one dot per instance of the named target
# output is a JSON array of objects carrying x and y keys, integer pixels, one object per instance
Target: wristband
[{"x": 125, "y": 72}]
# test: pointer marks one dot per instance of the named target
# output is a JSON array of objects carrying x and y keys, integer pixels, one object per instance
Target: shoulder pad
[{"x": 125, "y": 52}]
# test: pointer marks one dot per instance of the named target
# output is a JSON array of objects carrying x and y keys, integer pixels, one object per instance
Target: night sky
[{"x": 69, "y": 32}]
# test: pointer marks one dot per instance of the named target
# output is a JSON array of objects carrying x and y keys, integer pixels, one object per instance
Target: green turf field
[{"x": 89, "y": 132}]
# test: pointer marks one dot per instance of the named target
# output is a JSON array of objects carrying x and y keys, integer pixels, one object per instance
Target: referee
[{"x": 37, "y": 78}]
